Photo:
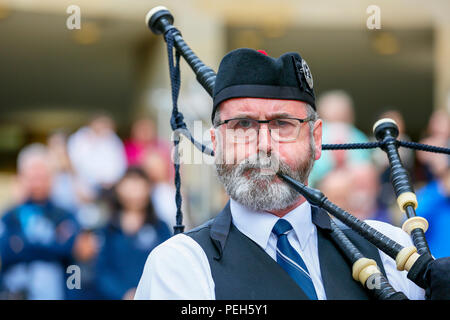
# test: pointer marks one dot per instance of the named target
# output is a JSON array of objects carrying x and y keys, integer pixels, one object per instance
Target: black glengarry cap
[{"x": 250, "y": 73}]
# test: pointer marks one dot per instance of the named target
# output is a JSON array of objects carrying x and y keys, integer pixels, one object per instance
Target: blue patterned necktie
[{"x": 291, "y": 261}]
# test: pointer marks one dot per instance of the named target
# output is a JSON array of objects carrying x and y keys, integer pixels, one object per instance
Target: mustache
[
  {"x": 263, "y": 166},
  {"x": 268, "y": 163}
]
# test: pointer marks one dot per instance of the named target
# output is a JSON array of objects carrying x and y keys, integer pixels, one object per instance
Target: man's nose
[{"x": 264, "y": 139}]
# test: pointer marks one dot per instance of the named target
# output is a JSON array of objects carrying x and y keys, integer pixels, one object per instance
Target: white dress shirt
[{"x": 179, "y": 268}]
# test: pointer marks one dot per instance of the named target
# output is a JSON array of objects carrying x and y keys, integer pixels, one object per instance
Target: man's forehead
[{"x": 259, "y": 106}]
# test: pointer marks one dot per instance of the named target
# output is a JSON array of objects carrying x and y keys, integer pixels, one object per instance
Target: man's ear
[
  {"x": 317, "y": 134},
  {"x": 212, "y": 132}
]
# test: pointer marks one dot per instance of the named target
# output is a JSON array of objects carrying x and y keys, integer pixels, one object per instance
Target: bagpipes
[{"x": 431, "y": 274}]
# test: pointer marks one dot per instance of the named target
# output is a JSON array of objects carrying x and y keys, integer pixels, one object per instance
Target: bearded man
[{"x": 268, "y": 242}]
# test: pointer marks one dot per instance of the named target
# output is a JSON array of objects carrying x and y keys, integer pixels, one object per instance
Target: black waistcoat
[{"x": 242, "y": 270}]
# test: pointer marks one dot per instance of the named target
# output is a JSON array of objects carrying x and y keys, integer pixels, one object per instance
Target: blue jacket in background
[
  {"x": 36, "y": 241},
  {"x": 122, "y": 257}
]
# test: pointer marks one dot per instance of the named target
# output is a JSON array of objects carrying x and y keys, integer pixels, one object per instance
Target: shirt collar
[{"x": 258, "y": 225}]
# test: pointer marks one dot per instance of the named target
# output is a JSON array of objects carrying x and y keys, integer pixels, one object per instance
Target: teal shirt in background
[{"x": 338, "y": 133}]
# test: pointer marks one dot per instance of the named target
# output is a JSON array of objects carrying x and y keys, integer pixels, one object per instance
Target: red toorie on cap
[{"x": 263, "y": 52}]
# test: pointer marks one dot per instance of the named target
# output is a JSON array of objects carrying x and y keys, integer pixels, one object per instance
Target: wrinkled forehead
[{"x": 262, "y": 108}]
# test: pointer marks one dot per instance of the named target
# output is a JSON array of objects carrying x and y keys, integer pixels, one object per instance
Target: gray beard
[{"x": 252, "y": 182}]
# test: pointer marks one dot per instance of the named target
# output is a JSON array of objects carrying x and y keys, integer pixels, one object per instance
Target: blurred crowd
[
  {"x": 359, "y": 180},
  {"x": 89, "y": 199}
]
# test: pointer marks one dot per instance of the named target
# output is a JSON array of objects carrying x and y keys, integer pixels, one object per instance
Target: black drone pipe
[
  {"x": 364, "y": 270},
  {"x": 160, "y": 20},
  {"x": 386, "y": 131},
  {"x": 406, "y": 258}
]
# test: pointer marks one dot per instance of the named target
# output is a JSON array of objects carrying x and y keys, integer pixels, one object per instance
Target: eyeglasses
[{"x": 245, "y": 130}]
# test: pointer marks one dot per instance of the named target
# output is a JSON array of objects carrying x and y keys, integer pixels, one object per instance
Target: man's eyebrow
[
  {"x": 275, "y": 115},
  {"x": 280, "y": 115},
  {"x": 246, "y": 115}
]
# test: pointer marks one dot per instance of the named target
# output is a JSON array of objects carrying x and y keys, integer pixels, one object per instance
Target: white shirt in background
[{"x": 97, "y": 159}]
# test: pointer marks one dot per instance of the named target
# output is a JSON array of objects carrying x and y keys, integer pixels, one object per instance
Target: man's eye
[
  {"x": 245, "y": 123},
  {"x": 281, "y": 123}
]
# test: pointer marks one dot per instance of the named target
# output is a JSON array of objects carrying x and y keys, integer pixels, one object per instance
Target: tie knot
[{"x": 281, "y": 227}]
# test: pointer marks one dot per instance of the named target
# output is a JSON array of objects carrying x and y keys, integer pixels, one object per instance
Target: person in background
[
  {"x": 36, "y": 236},
  {"x": 144, "y": 140},
  {"x": 365, "y": 188},
  {"x": 68, "y": 190},
  {"x": 434, "y": 205},
  {"x": 336, "y": 186},
  {"x": 97, "y": 154},
  {"x": 438, "y": 134},
  {"x": 336, "y": 109},
  {"x": 125, "y": 243},
  {"x": 355, "y": 189},
  {"x": 434, "y": 197},
  {"x": 69, "y": 193},
  {"x": 85, "y": 251},
  {"x": 64, "y": 190},
  {"x": 439, "y": 124},
  {"x": 163, "y": 190},
  {"x": 145, "y": 149},
  {"x": 387, "y": 196},
  {"x": 407, "y": 155}
]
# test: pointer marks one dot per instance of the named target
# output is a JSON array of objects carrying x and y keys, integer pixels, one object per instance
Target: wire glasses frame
[{"x": 245, "y": 130}]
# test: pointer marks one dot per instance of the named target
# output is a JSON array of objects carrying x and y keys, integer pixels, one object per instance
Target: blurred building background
[{"x": 52, "y": 77}]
